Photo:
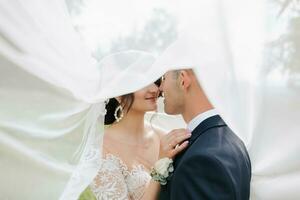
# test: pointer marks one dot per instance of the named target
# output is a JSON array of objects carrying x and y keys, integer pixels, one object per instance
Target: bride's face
[{"x": 146, "y": 99}]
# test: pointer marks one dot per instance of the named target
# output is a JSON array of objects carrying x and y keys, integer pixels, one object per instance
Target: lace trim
[
  {"x": 116, "y": 181},
  {"x": 125, "y": 170}
]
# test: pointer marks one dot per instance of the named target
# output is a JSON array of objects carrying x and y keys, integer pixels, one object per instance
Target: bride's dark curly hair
[{"x": 111, "y": 106}]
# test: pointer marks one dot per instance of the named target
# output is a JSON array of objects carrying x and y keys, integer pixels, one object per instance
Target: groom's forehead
[
  {"x": 170, "y": 72},
  {"x": 167, "y": 73}
]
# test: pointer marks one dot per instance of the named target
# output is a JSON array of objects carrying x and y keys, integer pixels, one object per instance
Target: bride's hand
[{"x": 173, "y": 143}]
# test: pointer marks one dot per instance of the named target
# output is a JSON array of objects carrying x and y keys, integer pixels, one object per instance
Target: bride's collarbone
[
  {"x": 129, "y": 162},
  {"x": 145, "y": 140}
]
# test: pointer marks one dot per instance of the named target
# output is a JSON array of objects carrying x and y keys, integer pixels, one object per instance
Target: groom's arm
[{"x": 202, "y": 177}]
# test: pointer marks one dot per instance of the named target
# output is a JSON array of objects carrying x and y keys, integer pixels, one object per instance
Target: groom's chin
[{"x": 172, "y": 111}]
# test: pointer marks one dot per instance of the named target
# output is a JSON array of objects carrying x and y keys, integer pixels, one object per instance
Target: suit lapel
[{"x": 214, "y": 121}]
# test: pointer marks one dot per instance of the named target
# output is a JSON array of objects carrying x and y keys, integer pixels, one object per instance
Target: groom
[{"x": 216, "y": 164}]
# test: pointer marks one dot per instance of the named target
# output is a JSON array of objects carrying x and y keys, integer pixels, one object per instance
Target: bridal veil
[{"x": 53, "y": 92}]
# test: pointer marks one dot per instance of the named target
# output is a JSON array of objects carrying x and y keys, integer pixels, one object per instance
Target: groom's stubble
[
  {"x": 173, "y": 95},
  {"x": 184, "y": 95}
]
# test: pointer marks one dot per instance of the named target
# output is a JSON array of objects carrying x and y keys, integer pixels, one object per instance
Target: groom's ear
[{"x": 185, "y": 79}]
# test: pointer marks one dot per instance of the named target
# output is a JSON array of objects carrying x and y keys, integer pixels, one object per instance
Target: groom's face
[{"x": 173, "y": 96}]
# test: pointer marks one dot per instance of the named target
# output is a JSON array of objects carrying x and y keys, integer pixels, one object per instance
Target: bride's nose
[{"x": 153, "y": 88}]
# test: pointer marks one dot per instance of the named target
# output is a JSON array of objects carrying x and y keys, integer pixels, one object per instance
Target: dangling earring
[{"x": 119, "y": 110}]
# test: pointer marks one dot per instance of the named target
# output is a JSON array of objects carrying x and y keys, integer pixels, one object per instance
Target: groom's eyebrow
[{"x": 176, "y": 73}]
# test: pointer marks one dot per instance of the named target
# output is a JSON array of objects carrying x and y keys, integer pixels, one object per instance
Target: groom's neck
[{"x": 194, "y": 106}]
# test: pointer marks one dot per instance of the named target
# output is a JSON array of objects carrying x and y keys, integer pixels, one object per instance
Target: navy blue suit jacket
[{"x": 216, "y": 166}]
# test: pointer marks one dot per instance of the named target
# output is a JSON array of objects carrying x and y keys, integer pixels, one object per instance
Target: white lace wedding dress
[{"x": 115, "y": 181}]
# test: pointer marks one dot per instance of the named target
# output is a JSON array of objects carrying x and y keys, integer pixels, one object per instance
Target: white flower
[
  {"x": 161, "y": 170},
  {"x": 162, "y": 166}
]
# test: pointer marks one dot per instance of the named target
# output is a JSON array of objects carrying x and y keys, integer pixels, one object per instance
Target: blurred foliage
[
  {"x": 284, "y": 52},
  {"x": 158, "y": 33},
  {"x": 74, "y": 6}
]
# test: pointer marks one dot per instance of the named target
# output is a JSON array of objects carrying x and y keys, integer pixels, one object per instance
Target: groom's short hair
[
  {"x": 176, "y": 73},
  {"x": 190, "y": 71}
]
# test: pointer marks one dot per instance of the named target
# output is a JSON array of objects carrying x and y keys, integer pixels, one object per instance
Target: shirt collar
[{"x": 200, "y": 118}]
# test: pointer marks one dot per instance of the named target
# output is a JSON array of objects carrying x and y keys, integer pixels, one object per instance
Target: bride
[{"x": 131, "y": 147}]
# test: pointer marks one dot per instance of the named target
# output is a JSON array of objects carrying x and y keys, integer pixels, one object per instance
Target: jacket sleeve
[{"x": 202, "y": 177}]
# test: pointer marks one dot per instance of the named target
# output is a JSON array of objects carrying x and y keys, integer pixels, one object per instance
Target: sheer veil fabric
[
  {"x": 52, "y": 101},
  {"x": 52, "y": 94},
  {"x": 260, "y": 105},
  {"x": 49, "y": 110}
]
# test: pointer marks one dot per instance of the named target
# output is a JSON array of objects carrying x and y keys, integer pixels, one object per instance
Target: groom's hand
[{"x": 173, "y": 143}]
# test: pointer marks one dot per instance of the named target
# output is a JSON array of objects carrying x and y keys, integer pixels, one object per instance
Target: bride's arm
[
  {"x": 168, "y": 149},
  {"x": 152, "y": 191}
]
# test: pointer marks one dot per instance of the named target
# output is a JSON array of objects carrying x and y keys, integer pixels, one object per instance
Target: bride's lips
[{"x": 151, "y": 98}]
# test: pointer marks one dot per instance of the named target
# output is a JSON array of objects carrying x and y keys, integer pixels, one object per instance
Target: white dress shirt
[{"x": 200, "y": 118}]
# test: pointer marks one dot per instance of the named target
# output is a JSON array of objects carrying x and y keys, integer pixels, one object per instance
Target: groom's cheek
[{"x": 161, "y": 89}]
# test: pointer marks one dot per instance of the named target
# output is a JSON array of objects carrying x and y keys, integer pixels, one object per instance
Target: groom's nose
[
  {"x": 161, "y": 86},
  {"x": 160, "y": 90}
]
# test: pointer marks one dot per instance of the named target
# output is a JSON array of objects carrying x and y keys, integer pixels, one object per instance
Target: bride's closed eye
[{"x": 158, "y": 82}]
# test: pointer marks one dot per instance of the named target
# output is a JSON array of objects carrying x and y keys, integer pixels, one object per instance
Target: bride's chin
[{"x": 153, "y": 108}]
